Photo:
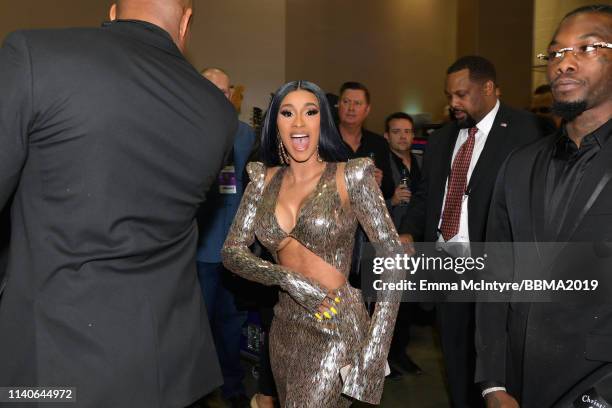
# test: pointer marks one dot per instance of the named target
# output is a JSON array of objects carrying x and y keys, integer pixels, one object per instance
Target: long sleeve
[
  {"x": 366, "y": 378},
  {"x": 238, "y": 258},
  {"x": 388, "y": 185},
  {"x": 413, "y": 221},
  {"x": 491, "y": 317},
  {"x": 15, "y": 112}
]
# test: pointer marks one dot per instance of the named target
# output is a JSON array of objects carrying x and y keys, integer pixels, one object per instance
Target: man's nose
[{"x": 569, "y": 63}]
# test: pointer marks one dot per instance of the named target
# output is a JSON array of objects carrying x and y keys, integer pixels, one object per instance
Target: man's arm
[
  {"x": 387, "y": 186},
  {"x": 413, "y": 222},
  {"x": 491, "y": 317},
  {"x": 15, "y": 111}
]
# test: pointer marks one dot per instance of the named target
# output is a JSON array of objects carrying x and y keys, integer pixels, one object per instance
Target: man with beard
[
  {"x": 557, "y": 190},
  {"x": 452, "y": 201}
]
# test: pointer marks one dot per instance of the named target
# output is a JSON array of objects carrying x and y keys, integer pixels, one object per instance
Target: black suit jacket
[
  {"x": 541, "y": 350},
  {"x": 110, "y": 139},
  {"x": 5, "y": 234},
  {"x": 511, "y": 129}
]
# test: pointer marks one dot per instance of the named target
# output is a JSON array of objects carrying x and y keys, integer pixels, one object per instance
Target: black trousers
[{"x": 456, "y": 328}]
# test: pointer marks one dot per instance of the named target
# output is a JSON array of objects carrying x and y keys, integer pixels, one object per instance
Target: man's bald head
[
  {"x": 174, "y": 16},
  {"x": 220, "y": 78}
]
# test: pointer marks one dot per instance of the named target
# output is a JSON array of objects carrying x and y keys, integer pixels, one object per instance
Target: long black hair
[{"x": 331, "y": 146}]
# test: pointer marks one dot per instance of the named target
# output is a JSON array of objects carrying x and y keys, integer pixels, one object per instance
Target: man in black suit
[
  {"x": 452, "y": 201},
  {"x": 555, "y": 190},
  {"x": 110, "y": 140}
]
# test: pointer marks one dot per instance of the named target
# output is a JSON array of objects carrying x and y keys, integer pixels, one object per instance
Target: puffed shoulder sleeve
[
  {"x": 367, "y": 375},
  {"x": 257, "y": 173},
  {"x": 238, "y": 258}
]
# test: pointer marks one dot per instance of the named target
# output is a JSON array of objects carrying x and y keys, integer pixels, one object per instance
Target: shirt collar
[
  {"x": 486, "y": 123},
  {"x": 146, "y": 32},
  {"x": 565, "y": 146}
]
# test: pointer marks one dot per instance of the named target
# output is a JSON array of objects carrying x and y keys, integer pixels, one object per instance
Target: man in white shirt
[{"x": 451, "y": 204}]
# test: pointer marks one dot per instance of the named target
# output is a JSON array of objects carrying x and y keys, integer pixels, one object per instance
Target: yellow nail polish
[
  {"x": 334, "y": 311},
  {"x": 318, "y": 316},
  {"x": 337, "y": 300},
  {"x": 326, "y": 314}
]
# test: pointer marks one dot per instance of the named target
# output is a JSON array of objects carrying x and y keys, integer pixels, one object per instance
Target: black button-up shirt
[
  {"x": 374, "y": 143},
  {"x": 567, "y": 168}
]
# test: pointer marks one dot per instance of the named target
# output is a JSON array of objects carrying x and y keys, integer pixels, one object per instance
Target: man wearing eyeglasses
[{"x": 557, "y": 190}]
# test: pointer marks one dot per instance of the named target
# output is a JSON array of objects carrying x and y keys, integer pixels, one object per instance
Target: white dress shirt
[{"x": 484, "y": 127}]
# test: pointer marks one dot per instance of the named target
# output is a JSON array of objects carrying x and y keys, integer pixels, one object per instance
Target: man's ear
[
  {"x": 386, "y": 136},
  {"x": 489, "y": 88},
  {"x": 185, "y": 25},
  {"x": 112, "y": 13}
]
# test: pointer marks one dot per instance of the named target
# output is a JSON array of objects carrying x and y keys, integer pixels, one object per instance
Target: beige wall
[
  {"x": 246, "y": 38},
  {"x": 399, "y": 48},
  {"x": 390, "y": 45},
  {"x": 18, "y": 14},
  {"x": 547, "y": 15},
  {"x": 501, "y": 31}
]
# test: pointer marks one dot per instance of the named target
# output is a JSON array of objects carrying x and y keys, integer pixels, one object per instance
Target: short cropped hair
[
  {"x": 593, "y": 8},
  {"x": 397, "y": 115},
  {"x": 481, "y": 69},
  {"x": 358, "y": 86}
]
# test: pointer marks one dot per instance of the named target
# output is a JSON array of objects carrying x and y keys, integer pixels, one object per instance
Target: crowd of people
[{"x": 145, "y": 219}]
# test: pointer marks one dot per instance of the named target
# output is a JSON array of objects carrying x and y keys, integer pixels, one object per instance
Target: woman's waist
[
  {"x": 350, "y": 298},
  {"x": 311, "y": 266}
]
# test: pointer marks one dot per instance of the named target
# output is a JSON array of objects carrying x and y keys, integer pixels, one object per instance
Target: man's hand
[
  {"x": 407, "y": 243},
  {"x": 500, "y": 399},
  {"x": 401, "y": 195},
  {"x": 378, "y": 175},
  {"x": 406, "y": 239}
]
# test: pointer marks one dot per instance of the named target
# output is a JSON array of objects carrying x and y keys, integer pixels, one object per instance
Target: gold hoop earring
[
  {"x": 282, "y": 153},
  {"x": 319, "y": 159}
]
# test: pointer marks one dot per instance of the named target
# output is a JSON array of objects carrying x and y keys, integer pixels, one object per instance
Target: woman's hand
[{"x": 329, "y": 307}]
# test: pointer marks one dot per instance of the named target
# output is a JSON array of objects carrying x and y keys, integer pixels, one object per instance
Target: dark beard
[
  {"x": 466, "y": 123},
  {"x": 569, "y": 111}
]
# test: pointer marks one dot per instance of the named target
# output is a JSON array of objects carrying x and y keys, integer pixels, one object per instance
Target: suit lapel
[
  {"x": 537, "y": 187},
  {"x": 446, "y": 157},
  {"x": 595, "y": 178},
  {"x": 490, "y": 152}
]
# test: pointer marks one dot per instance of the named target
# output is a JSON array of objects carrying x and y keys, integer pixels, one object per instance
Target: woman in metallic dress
[{"x": 303, "y": 203}]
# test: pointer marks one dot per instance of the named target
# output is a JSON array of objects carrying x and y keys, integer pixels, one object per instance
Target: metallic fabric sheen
[{"x": 307, "y": 353}]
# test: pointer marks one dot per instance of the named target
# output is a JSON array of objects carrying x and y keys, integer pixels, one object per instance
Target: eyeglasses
[{"x": 581, "y": 52}]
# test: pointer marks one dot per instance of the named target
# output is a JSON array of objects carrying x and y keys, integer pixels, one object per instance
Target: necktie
[{"x": 457, "y": 184}]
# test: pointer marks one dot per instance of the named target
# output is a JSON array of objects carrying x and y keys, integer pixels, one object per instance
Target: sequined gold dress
[{"x": 306, "y": 353}]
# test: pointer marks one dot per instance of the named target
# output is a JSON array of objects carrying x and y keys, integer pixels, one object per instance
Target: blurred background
[{"x": 399, "y": 48}]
